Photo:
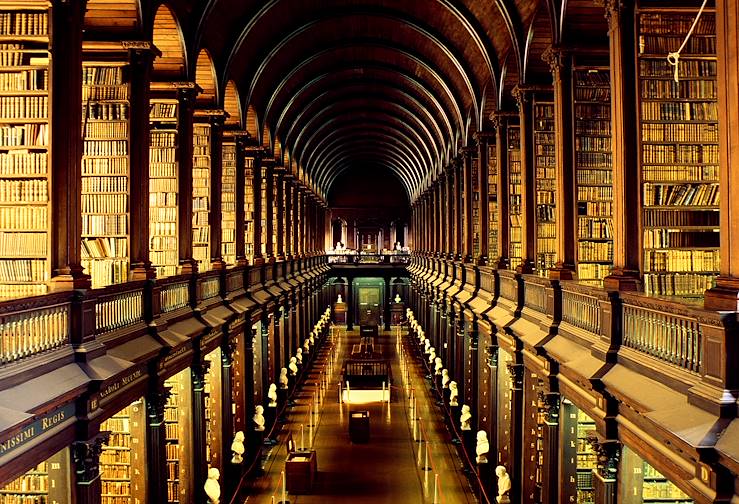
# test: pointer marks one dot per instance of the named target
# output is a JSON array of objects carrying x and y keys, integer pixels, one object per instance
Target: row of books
[
  {"x": 108, "y": 129},
  {"x": 163, "y": 185},
  {"x": 666, "y": 238},
  {"x": 24, "y": 135},
  {"x": 666, "y": 173},
  {"x": 685, "y": 89},
  {"x": 164, "y": 259},
  {"x": 161, "y": 110},
  {"x": 27, "y": 218},
  {"x": 161, "y": 169},
  {"x": 676, "y": 24},
  {"x": 24, "y": 107},
  {"x": 586, "y": 159},
  {"x": 651, "y": 68},
  {"x": 658, "y": 45},
  {"x": 102, "y": 247},
  {"x": 105, "y": 224},
  {"x": 679, "y": 132},
  {"x": 25, "y": 80},
  {"x": 105, "y": 184},
  {"x": 592, "y": 271},
  {"x": 594, "y": 94},
  {"x": 105, "y": 166},
  {"x": 201, "y": 235},
  {"x": 593, "y": 176},
  {"x": 97, "y": 92},
  {"x": 24, "y": 190},
  {"x": 23, "y": 244},
  {"x": 678, "y": 284},
  {"x": 102, "y": 75},
  {"x": 104, "y": 203},
  {"x": 662, "y": 490},
  {"x": 164, "y": 241},
  {"x": 594, "y": 193},
  {"x": 589, "y": 143},
  {"x": 200, "y": 218},
  {"x": 106, "y": 272},
  {"x": 23, "y": 162},
  {"x": 13, "y": 55},
  {"x": 163, "y": 214},
  {"x": 594, "y": 228},
  {"x": 105, "y": 148},
  {"x": 595, "y": 251},
  {"x": 675, "y": 260},
  {"x": 23, "y": 270},
  {"x": 115, "y": 457},
  {"x": 24, "y": 23},
  {"x": 679, "y": 111},
  {"x": 681, "y": 194},
  {"x": 21, "y": 290},
  {"x": 162, "y": 138},
  {"x": 106, "y": 111},
  {"x": 682, "y": 153},
  {"x": 36, "y": 480},
  {"x": 684, "y": 217}
]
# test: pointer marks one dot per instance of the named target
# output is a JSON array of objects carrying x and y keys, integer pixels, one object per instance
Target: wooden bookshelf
[
  {"x": 228, "y": 203},
  {"x": 25, "y": 173},
  {"x": 123, "y": 459},
  {"x": 514, "y": 190},
  {"x": 201, "y": 195},
  {"x": 578, "y": 456},
  {"x": 178, "y": 450},
  {"x": 249, "y": 209},
  {"x": 163, "y": 186},
  {"x": 492, "y": 168},
  {"x": 475, "y": 188},
  {"x": 533, "y": 437},
  {"x": 645, "y": 484},
  {"x": 213, "y": 420},
  {"x": 679, "y": 153},
  {"x": 546, "y": 185},
  {"x": 275, "y": 212},
  {"x": 263, "y": 216},
  {"x": 594, "y": 173},
  {"x": 105, "y": 172},
  {"x": 48, "y": 482}
]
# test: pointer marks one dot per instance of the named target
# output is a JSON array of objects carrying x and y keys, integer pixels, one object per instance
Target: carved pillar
[
  {"x": 550, "y": 474},
  {"x": 141, "y": 65},
  {"x": 288, "y": 200},
  {"x": 560, "y": 64},
  {"x": 156, "y": 442},
  {"x": 86, "y": 460},
  {"x": 297, "y": 247},
  {"x": 725, "y": 296},
  {"x": 528, "y": 190},
  {"x": 467, "y": 225},
  {"x": 500, "y": 122},
  {"x": 66, "y": 147},
  {"x": 441, "y": 212},
  {"x": 516, "y": 455},
  {"x": 459, "y": 215},
  {"x": 199, "y": 441},
  {"x": 450, "y": 242},
  {"x": 216, "y": 192},
  {"x": 624, "y": 142},
  {"x": 184, "y": 154},
  {"x": 605, "y": 478},
  {"x": 280, "y": 209}
]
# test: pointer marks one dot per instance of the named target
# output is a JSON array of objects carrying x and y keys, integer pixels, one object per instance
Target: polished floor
[{"x": 387, "y": 469}]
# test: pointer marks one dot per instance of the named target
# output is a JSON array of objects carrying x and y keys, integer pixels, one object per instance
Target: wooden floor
[{"x": 388, "y": 468}]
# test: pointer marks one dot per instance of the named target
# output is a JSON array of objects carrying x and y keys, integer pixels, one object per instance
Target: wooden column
[
  {"x": 86, "y": 460},
  {"x": 560, "y": 64},
  {"x": 500, "y": 122},
  {"x": 141, "y": 65},
  {"x": 288, "y": 199},
  {"x": 239, "y": 201},
  {"x": 269, "y": 205},
  {"x": 297, "y": 248},
  {"x": 459, "y": 217},
  {"x": 280, "y": 209},
  {"x": 257, "y": 181},
  {"x": 725, "y": 296},
  {"x": 156, "y": 442},
  {"x": 184, "y": 154},
  {"x": 484, "y": 202},
  {"x": 440, "y": 229},
  {"x": 624, "y": 141},
  {"x": 528, "y": 190},
  {"x": 450, "y": 212},
  {"x": 467, "y": 225},
  {"x": 66, "y": 147},
  {"x": 216, "y": 193}
]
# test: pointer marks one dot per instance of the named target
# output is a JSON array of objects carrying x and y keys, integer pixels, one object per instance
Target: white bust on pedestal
[
  {"x": 299, "y": 355},
  {"x": 465, "y": 417},
  {"x": 397, "y": 299},
  {"x": 293, "y": 366},
  {"x": 237, "y": 448},
  {"x": 482, "y": 448},
  {"x": 445, "y": 378},
  {"x": 453, "y": 393},
  {"x": 272, "y": 395},
  {"x": 426, "y": 345},
  {"x": 306, "y": 346},
  {"x": 438, "y": 366},
  {"x": 338, "y": 299},
  {"x": 212, "y": 488},
  {"x": 259, "y": 418},
  {"x": 504, "y": 484},
  {"x": 283, "y": 378},
  {"x": 432, "y": 355}
]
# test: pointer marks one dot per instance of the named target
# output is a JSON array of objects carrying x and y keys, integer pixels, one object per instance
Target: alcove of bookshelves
[
  {"x": 201, "y": 197},
  {"x": 123, "y": 459},
  {"x": 249, "y": 208},
  {"x": 228, "y": 202},
  {"x": 492, "y": 169},
  {"x": 545, "y": 185},
  {"x": 514, "y": 193}
]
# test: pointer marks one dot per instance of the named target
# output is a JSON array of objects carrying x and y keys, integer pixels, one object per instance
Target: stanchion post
[
  {"x": 436, "y": 488},
  {"x": 284, "y": 488}
]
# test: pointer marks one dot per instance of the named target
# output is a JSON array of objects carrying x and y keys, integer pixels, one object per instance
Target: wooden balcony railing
[
  {"x": 535, "y": 296},
  {"x": 115, "y": 308},
  {"x": 580, "y": 309},
  {"x": 209, "y": 287},
  {"x": 175, "y": 296},
  {"x": 509, "y": 288}
]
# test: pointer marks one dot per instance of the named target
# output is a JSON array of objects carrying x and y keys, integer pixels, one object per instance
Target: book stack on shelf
[
  {"x": 679, "y": 154},
  {"x": 105, "y": 173},
  {"x": 122, "y": 467},
  {"x": 249, "y": 209},
  {"x": 475, "y": 186},
  {"x": 546, "y": 185},
  {"x": 201, "y": 195},
  {"x": 212, "y": 395},
  {"x": 492, "y": 203},
  {"x": 586, "y": 459},
  {"x": 30, "y": 488},
  {"x": 163, "y": 186},
  {"x": 515, "y": 251},
  {"x": 228, "y": 203},
  {"x": 594, "y": 174},
  {"x": 177, "y": 423},
  {"x": 24, "y": 151},
  {"x": 657, "y": 488},
  {"x": 263, "y": 216},
  {"x": 275, "y": 212}
]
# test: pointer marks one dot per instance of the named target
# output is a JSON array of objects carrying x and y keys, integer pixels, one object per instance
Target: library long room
[{"x": 452, "y": 251}]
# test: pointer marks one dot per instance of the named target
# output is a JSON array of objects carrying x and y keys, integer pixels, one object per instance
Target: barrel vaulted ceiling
[{"x": 330, "y": 86}]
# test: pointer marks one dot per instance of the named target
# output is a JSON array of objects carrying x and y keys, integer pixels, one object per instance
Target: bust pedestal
[{"x": 340, "y": 313}]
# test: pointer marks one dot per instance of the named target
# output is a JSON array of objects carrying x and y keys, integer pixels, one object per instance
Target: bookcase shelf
[
  {"x": 213, "y": 421},
  {"x": 515, "y": 251},
  {"x": 201, "y": 195},
  {"x": 44, "y": 483},
  {"x": 475, "y": 222},
  {"x": 263, "y": 216},
  {"x": 105, "y": 170},
  {"x": 228, "y": 203},
  {"x": 275, "y": 212},
  {"x": 249, "y": 209},
  {"x": 493, "y": 252},
  {"x": 25, "y": 172},
  {"x": 163, "y": 186},
  {"x": 593, "y": 173},
  {"x": 546, "y": 185},
  {"x": 122, "y": 461},
  {"x": 679, "y": 154},
  {"x": 177, "y": 428}
]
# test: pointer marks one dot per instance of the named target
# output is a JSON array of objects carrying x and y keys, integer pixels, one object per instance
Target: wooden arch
[
  {"x": 232, "y": 105},
  {"x": 205, "y": 77},
  {"x": 252, "y": 123},
  {"x": 113, "y": 18},
  {"x": 167, "y": 37}
]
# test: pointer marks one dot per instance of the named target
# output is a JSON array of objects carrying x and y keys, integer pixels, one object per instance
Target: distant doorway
[{"x": 369, "y": 305}]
